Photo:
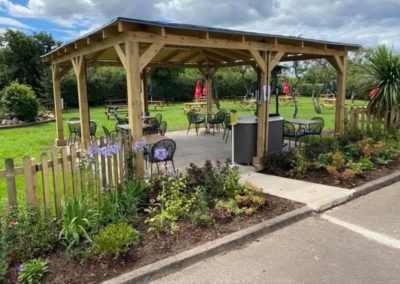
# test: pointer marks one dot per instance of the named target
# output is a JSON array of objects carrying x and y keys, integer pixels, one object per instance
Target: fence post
[
  {"x": 11, "y": 188},
  {"x": 45, "y": 182},
  {"x": 30, "y": 181},
  {"x": 56, "y": 183},
  {"x": 64, "y": 163}
]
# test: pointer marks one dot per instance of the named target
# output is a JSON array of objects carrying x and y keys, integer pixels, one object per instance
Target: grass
[
  {"x": 32, "y": 141},
  {"x": 19, "y": 142}
]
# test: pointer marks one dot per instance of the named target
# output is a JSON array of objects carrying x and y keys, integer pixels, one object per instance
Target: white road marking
[{"x": 371, "y": 235}]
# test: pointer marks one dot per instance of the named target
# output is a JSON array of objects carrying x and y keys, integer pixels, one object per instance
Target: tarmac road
[{"x": 358, "y": 242}]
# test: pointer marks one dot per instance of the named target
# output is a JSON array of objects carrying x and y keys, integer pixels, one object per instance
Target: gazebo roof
[{"x": 190, "y": 45}]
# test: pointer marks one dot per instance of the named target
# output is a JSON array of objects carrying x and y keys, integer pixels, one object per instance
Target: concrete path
[{"x": 354, "y": 243}]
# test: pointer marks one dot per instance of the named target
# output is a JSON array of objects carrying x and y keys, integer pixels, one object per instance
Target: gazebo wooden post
[
  {"x": 145, "y": 91},
  {"x": 262, "y": 111},
  {"x": 132, "y": 64},
  {"x": 339, "y": 63},
  {"x": 56, "y": 74},
  {"x": 79, "y": 65},
  {"x": 208, "y": 74}
]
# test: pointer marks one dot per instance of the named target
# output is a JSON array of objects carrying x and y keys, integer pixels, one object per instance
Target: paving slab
[{"x": 312, "y": 194}]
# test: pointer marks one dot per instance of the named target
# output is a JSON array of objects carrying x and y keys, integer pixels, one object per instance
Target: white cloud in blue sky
[{"x": 367, "y": 22}]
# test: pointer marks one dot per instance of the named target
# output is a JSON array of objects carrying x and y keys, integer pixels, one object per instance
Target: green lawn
[{"x": 19, "y": 142}]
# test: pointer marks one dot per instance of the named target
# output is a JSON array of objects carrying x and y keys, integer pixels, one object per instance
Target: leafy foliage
[
  {"x": 382, "y": 71},
  {"x": 32, "y": 271},
  {"x": 27, "y": 234},
  {"x": 115, "y": 238},
  {"x": 78, "y": 219},
  {"x": 20, "y": 100}
]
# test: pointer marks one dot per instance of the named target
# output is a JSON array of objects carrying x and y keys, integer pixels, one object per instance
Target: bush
[
  {"x": 115, "y": 238},
  {"x": 21, "y": 101},
  {"x": 27, "y": 235}
]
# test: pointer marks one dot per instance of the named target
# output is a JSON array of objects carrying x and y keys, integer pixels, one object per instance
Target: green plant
[
  {"x": 32, "y": 271},
  {"x": 160, "y": 224},
  {"x": 200, "y": 214},
  {"x": 230, "y": 206},
  {"x": 115, "y": 238},
  {"x": 27, "y": 234},
  {"x": 21, "y": 101},
  {"x": 78, "y": 219},
  {"x": 279, "y": 163},
  {"x": 382, "y": 76},
  {"x": 301, "y": 164}
]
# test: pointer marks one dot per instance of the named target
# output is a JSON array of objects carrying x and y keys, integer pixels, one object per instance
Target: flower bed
[
  {"x": 347, "y": 162},
  {"x": 135, "y": 225}
]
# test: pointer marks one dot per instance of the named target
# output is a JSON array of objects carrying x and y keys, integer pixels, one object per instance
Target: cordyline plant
[{"x": 382, "y": 82}]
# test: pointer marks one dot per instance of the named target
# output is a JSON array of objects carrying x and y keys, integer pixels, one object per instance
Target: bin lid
[{"x": 247, "y": 119}]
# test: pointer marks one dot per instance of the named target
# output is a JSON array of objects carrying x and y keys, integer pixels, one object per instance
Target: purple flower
[
  {"x": 161, "y": 154},
  {"x": 92, "y": 150},
  {"x": 20, "y": 267},
  {"x": 139, "y": 145}
]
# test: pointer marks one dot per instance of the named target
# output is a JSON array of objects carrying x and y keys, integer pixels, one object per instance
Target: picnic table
[
  {"x": 156, "y": 104},
  {"x": 327, "y": 102},
  {"x": 114, "y": 110},
  {"x": 248, "y": 104},
  {"x": 200, "y": 106}
]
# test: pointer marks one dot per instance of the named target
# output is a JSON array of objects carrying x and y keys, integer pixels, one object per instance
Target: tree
[
  {"x": 20, "y": 58},
  {"x": 382, "y": 83}
]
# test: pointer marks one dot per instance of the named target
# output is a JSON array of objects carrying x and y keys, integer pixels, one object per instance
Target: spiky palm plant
[{"x": 382, "y": 82}]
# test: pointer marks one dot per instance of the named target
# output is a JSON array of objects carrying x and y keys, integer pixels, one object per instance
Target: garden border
[
  {"x": 360, "y": 191},
  {"x": 26, "y": 124},
  {"x": 171, "y": 264},
  {"x": 174, "y": 263}
]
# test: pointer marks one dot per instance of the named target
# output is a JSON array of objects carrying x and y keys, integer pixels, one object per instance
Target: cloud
[
  {"x": 366, "y": 22},
  {"x": 12, "y": 23}
]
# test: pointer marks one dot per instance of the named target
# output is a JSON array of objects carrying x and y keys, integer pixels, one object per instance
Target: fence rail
[
  {"x": 358, "y": 118},
  {"x": 66, "y": 173}
]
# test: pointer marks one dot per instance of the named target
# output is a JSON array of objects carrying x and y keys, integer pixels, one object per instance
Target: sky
[{"x": 365, "y": 22}]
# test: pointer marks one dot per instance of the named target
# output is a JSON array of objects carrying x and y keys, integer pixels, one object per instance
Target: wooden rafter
[
  {"x": 258, "y": 58},
  {"x": 149, "y": 54},
  {"x": 121, "y": 54}
]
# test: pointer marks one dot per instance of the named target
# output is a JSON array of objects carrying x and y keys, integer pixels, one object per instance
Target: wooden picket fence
[
  {"x": 68, "y": 173},
  {"x": 358, "y": 118}
]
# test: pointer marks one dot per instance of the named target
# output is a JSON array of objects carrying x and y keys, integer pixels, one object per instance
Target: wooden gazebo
[{"x": 140, "y": 46}]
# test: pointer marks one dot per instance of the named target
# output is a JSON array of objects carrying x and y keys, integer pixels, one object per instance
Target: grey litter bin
[
  {"x": 275, "y": 134},
  {"x": 245, "y": 139}
]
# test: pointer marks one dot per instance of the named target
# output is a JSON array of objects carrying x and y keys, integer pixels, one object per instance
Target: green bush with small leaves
[
  {"x": 115, "y": 238},
  {"x": 32, "y": 271},
  {"x": 21, "y": 101}
]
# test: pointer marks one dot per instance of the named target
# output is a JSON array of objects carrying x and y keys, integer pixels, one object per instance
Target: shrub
[
  {"x": 279, "y": 163},
  {"x": 200, "y": 212},
  {"x": 115, "y": 238},
  {"x": 20, "y": 100},
  {"x": 230, "y": 206},
  {"x": 32, "y": 271},
  {"x": 27, "y": 235}
]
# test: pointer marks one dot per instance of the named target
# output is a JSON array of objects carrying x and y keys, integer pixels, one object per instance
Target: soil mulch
[
  {"x": 64, "y": 269},
  {"x": 323, "y": 177}
]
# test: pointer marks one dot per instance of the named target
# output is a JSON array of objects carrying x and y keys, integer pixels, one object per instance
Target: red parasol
[
  {"x": 373, "y": 92},
  {"x": 197, "y": 93},
  {"x": 205, "y": 91},
  {"x": 286, "y": 89}
]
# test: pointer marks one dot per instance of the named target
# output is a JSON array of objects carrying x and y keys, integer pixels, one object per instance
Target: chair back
[
  {"x": 168, "y": 145},
  {"x": 158, "y": 116},
  {"x": 192, "y": 116},
  {"x": 320, "y": 121},
  {"x": 288, "y": 128},
  {"x": 153, "y": 126},
  {"x": 121, "y": 120},
  {"x": 219, "y": 117},
  {"x": 163, "y": 127},
  {"x": 92, "y": 128},
  {"x": 107, "y": 132},
  {"x": 227, "y": 121}
]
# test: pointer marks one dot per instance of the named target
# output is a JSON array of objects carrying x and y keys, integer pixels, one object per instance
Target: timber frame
[{"x": 141, "y": 46}]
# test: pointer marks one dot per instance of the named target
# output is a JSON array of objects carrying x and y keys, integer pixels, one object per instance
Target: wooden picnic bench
[
  {"x": 328, "y": 102},
  {"x": 157, "y": 105},
  {"x": 248, "y": 105},
  {"x": 115, "y": 107},
  {"x": 200, "y": 106}
]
